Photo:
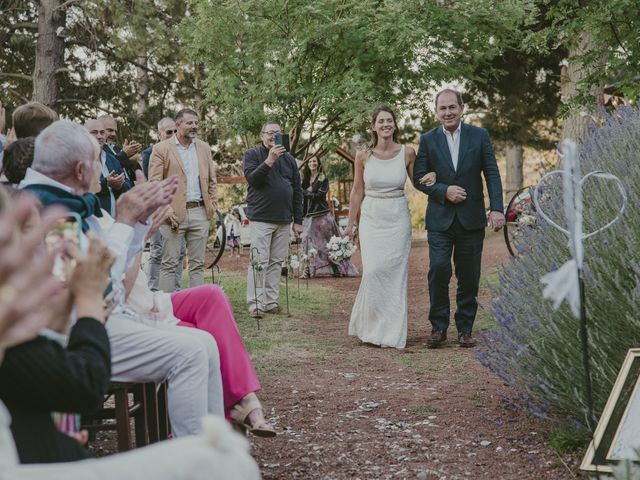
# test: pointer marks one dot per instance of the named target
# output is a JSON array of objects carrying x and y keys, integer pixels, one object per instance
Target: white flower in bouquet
[
  {"x": 340, "y": 248},
  {"x": 312, "y": 252},
  {"x": 294, "y": 262}
]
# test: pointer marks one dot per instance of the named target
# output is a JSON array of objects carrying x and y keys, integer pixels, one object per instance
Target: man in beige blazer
[{"x": 194, "y": 204}]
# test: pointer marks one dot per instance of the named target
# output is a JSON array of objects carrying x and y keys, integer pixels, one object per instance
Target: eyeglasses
[
  {"x": 271, "y": 133},
  {"x": 170, "y": 132}
]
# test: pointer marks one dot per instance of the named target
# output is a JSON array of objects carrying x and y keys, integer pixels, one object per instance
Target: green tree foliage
[
  {"x": 613, "y": 53},
  {"x": 118, "y": 53},
  {"x": 318, "y": 67}
]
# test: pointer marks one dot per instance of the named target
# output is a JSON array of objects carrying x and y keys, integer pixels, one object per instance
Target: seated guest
[
  {"x": 207, "y": 308},
  {"x": 217, "y": 454},
  {"x": 41, "y": 376},
  {"x": 66, "y": 167},
  {"x": 17, "y": 158},
  {"x": 113, "y": 180},
  {"x": 31, "y": 118}
]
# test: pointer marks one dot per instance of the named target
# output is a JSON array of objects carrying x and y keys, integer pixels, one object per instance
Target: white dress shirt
[
  {"x": 189, "y": 159},
  {"x": 453, "y": 140}
]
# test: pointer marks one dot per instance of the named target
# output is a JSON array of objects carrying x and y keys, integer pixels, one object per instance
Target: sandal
[{"x": 242, "y": 423}]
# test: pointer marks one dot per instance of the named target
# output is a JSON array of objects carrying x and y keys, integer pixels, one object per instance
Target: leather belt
[{"x": 195, "y": 204}]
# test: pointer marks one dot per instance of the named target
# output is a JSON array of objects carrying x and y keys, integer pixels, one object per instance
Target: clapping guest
[
  {"x": 66, "y": 167},
  {"x": 127, "y": 155},
  {"x": 319, "y": 225},
  {"x": 217, "y": 454},
  {"x": 43, "y": 375},
  {"x": 113, "y": 180},
  {"x": 17, "y": 158},
  {"x": 31, "y": 118}
]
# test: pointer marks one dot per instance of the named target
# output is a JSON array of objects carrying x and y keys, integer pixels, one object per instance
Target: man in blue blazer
[
  {"x": 113, "y": 181},
  {"x": 460, "y": 155}
]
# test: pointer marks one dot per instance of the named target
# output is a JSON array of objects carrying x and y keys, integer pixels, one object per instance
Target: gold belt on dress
[{"x": 195, "y": 204}]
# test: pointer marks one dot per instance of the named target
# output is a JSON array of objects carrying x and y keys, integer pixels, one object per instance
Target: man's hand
[
  {"x": 115, "y": 181},
  {"x": 496, "y": 220},
  {"x": 11, "y": 137},
  {"x": 428, "y": 179},
  {"x": 456, "y": 194},
  {"x": 131, "y": 148},
  {"x": 137, "y": 204},
  {"x": 297, "y": 230},
  {"x": 158, "y": 218},
  {"x": 275, "y": 153}
]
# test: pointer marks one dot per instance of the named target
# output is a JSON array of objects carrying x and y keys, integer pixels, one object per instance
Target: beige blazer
[{"x": 165, "y": 161}]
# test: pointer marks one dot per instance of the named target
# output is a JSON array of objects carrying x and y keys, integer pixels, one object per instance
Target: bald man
[{"x": 113, "y": 180}]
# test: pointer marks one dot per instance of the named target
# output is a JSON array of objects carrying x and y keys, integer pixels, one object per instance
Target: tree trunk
[
  {"x": 142, "y": 87},
  {"x": 514, "y": 169},
  {"x": 49, "y": 52},
  {"x": 578, "y": 124}
]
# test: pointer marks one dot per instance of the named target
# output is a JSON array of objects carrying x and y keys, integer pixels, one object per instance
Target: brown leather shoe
[
  {"x": 437, "y": 338},
  {"x": 466, "y": 340},
  {"x": 274, "y": 311}
]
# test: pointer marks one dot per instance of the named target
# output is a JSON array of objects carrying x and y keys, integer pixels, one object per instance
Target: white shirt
[
  {"x": 453, "y": 140},
  {"x": 106, "y": 172},
  {"x": 189, "y": 158}
]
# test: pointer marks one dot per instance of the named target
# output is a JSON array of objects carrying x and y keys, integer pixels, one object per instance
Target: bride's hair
[{"x": 374, "y": 117}]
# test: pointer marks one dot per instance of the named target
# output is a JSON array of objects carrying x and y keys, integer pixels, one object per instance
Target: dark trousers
[{"x": 466, "y": 248}]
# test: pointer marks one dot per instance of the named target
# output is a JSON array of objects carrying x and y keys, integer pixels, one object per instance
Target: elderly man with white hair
[{"x": 64, "y": 171}]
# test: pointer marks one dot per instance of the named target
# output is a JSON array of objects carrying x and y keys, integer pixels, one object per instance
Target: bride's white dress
[{"x": 379, "y": 314}]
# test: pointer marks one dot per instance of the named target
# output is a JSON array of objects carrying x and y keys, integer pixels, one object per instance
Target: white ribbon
[{"x": 563, "y": 284}]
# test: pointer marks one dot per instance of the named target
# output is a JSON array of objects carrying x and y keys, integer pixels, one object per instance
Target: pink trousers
[{"x": 207, "y": 308}]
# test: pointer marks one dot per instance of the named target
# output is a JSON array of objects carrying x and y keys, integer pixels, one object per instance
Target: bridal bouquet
[{"x": 340, "y": 248}]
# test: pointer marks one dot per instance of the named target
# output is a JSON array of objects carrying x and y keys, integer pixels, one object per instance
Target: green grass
[
  {"x": 425, "y": 410},
  {"x": 278, "y": 344}
]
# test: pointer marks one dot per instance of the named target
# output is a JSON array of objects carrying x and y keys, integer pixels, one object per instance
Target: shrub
[{"x": 537, "y": 349}]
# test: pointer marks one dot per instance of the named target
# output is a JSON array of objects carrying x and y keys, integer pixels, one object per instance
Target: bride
[{"x": 379, "y": 314}]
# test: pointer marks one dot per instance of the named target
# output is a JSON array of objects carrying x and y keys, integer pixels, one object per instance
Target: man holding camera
[{"x": 274, "y": 201}]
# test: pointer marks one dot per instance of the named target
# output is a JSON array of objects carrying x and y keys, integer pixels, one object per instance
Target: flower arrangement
[{"x": 340, "y": 248}]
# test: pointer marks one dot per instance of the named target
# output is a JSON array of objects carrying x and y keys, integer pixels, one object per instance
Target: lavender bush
[{"x": 537, "y": 349}]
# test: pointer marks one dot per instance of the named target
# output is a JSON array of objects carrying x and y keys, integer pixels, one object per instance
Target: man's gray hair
[
  {"x": 61, "y": 146},
  {"x": 164, "y": 121}
]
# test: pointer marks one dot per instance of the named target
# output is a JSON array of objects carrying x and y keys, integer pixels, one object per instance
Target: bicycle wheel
[
  {"x": 520, "y": 204},
  {"x": 217, "y": 241}
]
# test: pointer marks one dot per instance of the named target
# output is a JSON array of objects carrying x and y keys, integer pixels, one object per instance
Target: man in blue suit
[
  {"x": 460, "y": 155},
  {"x": 113, "y": 180}
]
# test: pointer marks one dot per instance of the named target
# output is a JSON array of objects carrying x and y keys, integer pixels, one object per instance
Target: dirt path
[{"x": 372, "y": 413}]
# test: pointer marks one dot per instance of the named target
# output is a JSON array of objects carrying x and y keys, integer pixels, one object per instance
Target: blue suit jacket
[
  {"x": 475, "y": 158},
  {"x": 103, "y": 196}
]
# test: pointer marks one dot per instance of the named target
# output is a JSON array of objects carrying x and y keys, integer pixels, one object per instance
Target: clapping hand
[
  {"x": 26, "y": 282},
  {"x": 131, "y": 148},
  {"x": 115, "y": 181},
  {"x": 137, "y": 204}
]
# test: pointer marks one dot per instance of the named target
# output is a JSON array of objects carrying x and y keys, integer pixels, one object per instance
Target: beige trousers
[
  {"x": 269, "y": 246},
  {"x": 195, "y": 231}
]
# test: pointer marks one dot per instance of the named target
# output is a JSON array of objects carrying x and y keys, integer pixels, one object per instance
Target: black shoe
[{"x": 437, "y": 338}]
